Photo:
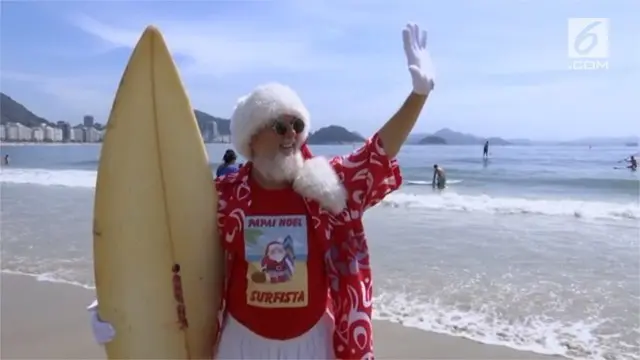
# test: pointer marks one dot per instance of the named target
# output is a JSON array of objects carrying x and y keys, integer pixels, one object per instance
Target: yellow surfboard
[{"x": 155, "y": 228}]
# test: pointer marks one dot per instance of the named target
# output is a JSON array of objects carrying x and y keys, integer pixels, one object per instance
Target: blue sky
[{"x": 502, "y": 66}]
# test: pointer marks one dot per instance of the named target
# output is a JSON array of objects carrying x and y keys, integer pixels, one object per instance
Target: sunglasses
[{"x": 281, "y": 126}]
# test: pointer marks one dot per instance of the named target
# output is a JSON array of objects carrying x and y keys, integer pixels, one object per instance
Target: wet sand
[{"x": 48, "y": 320}]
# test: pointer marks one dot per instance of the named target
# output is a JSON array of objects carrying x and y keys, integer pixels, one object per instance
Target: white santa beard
[
  {"x": 314, "y": 178},
  {"x": 282, "y": 167},
  {"x": 318, "y": 180},
  {"x": 277, "y": 258}
]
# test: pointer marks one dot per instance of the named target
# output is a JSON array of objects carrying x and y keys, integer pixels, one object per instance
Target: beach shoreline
[
  {"x": 57, "y": 143},
  {"x": 47, "y": 320}
]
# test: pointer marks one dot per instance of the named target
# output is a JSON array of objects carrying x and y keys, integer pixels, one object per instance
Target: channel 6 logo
[{"x": 588, "y": 38}]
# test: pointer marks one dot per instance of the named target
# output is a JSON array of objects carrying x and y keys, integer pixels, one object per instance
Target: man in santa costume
[{"x": 269, "y": 127}]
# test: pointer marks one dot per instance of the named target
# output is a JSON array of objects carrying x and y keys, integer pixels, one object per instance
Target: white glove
[
  {"x": 418, "y": 59},
  {"x": 103, "y": 332}
]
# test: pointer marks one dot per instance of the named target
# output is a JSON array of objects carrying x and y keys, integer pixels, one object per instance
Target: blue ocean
[{"x": 536, "y": 248}]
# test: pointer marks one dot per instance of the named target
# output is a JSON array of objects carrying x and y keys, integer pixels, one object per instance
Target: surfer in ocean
[
  {"x": 283, "y": 188},
  {"x": 633, "y": 163},
  {"x": 439, "y": 180}
]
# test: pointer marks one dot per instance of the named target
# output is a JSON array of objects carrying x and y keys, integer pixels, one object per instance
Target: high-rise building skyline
[{"x": 88, "y": 121}]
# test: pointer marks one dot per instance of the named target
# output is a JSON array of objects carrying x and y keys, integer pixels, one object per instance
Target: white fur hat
[{"x": 256, "y": 110}]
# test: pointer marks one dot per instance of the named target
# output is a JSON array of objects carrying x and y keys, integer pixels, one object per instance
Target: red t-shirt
[{"x": 278, "y": 286}]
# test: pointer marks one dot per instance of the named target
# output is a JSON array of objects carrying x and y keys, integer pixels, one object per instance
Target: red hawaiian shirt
[{"x": 368, "y": 176}]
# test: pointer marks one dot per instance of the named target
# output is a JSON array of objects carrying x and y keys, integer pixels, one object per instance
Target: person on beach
[
  {"x": 228, "y": 165},
  {"x": 439, "y": 177},
  {"x": 326, "y": 310},
  {"x": 485, "y": 150}
]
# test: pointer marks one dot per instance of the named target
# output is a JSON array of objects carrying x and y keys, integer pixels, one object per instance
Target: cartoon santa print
[{"x": 276, "y": 265}]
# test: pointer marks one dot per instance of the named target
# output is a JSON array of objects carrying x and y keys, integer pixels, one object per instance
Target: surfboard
[
  {"x": 157, "y": 258},
  {"x": 422, "y": 182}
]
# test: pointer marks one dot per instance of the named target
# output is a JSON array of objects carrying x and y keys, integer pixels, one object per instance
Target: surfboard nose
[
  {"x": 151, "y": 36},
  {"x": 151, "y": 30}
]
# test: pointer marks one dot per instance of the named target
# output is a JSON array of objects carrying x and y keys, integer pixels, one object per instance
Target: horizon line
[{"x": 583, "y": 138}]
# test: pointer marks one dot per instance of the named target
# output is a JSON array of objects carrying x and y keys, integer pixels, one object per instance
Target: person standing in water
[
  {"x": 633, "y": 163},
  {"x": 485, "y": 151},
  {"x": 228, "y": 165},
  {"x": 439, "y": 177},
  {"x": 6, "y": 160}
]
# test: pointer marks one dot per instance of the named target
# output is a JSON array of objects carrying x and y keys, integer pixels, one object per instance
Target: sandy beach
[{"x": 47, "y": 320}]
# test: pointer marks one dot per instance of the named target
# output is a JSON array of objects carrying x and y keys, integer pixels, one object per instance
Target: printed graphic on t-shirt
[{"x": 276, "y": 250}]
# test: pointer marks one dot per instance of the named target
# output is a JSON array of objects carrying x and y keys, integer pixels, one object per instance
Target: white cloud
[
  {"x": 82, "y": 95},
  {"x": 223, "y": 48},
  {"x": 501, "y": 63}
]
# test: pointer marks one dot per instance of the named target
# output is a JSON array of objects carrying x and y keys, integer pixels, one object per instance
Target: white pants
[{"x": 238, "y": 342}]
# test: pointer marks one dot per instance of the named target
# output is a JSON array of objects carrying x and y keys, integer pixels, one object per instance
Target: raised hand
[{"x": 418, "y": 59}]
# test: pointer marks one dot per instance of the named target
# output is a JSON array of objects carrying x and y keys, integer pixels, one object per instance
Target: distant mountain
[
  {"x": 432, "y": 140},
  {"x": 594, "y": 141},
  {"x": 13, "y": 111},
  {"x": 603, "y": 141},
  {"x": 414, "y": 138},
  {"x": 224, "y": 125},
  {"x": 334, "y": 134},
  {"x": 521, "y": 141},
  {"x": 496, "y": 141},
  {"x": 458, "y": 138},
  {"x": 451, "y": 137}
]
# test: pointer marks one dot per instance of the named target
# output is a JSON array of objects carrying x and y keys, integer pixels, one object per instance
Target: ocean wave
[
  {"x": 46, "y": 177},
  {"x": 538, "y": 334},
  {"x": 51, "y": 277},
  {"x": 445, "y": 201},
  {"x": 628, "y": 185},
  {"x": 621, "y": 181},
  {"x": 507, "y": 205}
]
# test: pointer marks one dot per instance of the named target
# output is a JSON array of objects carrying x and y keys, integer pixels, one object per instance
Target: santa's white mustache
[
  {"x": 280, "y": 167},
  {"x": 277, "y": 257}
]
